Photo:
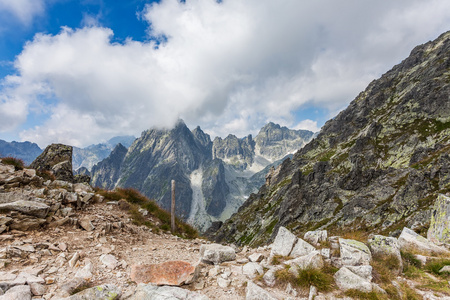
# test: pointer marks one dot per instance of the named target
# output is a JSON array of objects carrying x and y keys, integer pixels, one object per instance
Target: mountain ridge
[{"x": 380, "y": 163}]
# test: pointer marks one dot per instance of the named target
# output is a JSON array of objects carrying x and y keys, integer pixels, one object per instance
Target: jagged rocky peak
[
  {"x": 234, "y": 151},
  {"x": 273, "y": 141},
  {"x": 106, "y": 173},
  {"x": 202, "y": 137},
  {"x": 377, "y": 166}
]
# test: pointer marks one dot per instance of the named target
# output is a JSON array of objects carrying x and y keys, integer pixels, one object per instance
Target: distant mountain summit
[
  {"x": 89, "y": 156},
  {"x": 377, "y": 166},
  {"x": 23, "y": 150},
  {"x": 213, "y": 178}
]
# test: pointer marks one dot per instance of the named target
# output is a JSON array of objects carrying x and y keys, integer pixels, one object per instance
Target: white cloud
[
  {"x": 308, "y": 125},
  {"x": 229, "y": 67},
  {"x": 23, "y": 10}
]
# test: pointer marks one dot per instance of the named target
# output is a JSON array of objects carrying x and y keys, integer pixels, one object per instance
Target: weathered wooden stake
[{"x": 172, "y": 211}]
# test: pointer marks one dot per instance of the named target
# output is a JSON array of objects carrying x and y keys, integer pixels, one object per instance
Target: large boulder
[
  {"x": 354, "y": 253},
  {"x": 439, "y": 231},
  {"x": 216, "y": 253},
  {"x": 313, "y": 260},
  {"x": 168, "y": 273},
  {"x": 22, "y": 292},
  {"x": 415, "y": 243},
  {"x": 384, "y": 246},
  {"x": 32, "y": 208},
  {"x": 284, "y": 242},
  {"x": 348, "y": 280},
  {"x": 254, "y": 292},
  {"x": 57, "y": 159},
  {"x": 154, "y": 292}
]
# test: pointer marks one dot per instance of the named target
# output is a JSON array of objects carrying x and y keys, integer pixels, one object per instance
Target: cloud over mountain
[{"x": 229, "y": 66}]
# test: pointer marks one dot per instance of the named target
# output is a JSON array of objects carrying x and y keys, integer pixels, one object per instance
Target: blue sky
[{"x": 81, "y": 72}]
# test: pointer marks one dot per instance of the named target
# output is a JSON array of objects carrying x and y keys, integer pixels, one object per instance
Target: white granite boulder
[
  {"x": 415, "y": 243},
  {"x": 347, "y": 280},
  {"x": 216, "y": 253},
  {"x": 255, "y": 292},
  {"x": 354, "y": 253},
  {"x": 149, "y": 291},
  {"x": 316, "y": 237},
  {"x": 283, "y": 243}
]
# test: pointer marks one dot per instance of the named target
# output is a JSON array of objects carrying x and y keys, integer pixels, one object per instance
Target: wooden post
[{"x": 172, "y": 211}]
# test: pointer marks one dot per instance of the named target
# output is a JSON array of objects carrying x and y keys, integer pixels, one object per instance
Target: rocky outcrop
[
  {"x": 439, "y": 230},
  {"x": 57, "y": 159},
  {"x": 28, "y": 202},
  {"x": 379, "y": 165}
]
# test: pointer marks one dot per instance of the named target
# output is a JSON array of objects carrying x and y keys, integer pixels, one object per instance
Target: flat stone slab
[
  {"x": 32, "y": 208},
  {"x": 415, "y": 243},
  {"x": 173, "y": 273}
]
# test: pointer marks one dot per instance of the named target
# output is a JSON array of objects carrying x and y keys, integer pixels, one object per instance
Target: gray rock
[
  {"x": 255, "y": 292},
  {"x": 313, "y": 260},
  {"x": 301, "y": 248},
  {"x": 32, "y": 208},
  {"x": 70, "y": 286},
  {"x": 384, "y": 246},
  {"x": 312, "y": 293},
  {"x": 37, "y": 289},
  {"x": 439, "y": 230},
  {"x": 223, "y": 283},
  {"x": 18, "y": 292},
  {"x": 362, "y": 271},
  {"x": 445, "y": 269},
  {"x": 252, "y": 269},
  {"x": 256, "y": 257},
  {"x": 109, "y": 261},
  {"x": 347, "y": 280},
  {"x": 269, "y": 277},
  {"x": 86, "y": 224},
  {"x": 354, "y": 253},
  {"x": 56, "y": 158},
  {"x": 283, "y": 243},
  {"x": 413, "y": 242},
  {"x": 316, "y": 237},
  {"x": 153, "y": 292},
  {"x": 216, "y": 253},
  {"x": 100, "y": 292}
]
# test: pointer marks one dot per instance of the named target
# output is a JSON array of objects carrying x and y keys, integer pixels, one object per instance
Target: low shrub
[
  {"x": 16, "y": 162},
  {"x": 323, "y": 281}
]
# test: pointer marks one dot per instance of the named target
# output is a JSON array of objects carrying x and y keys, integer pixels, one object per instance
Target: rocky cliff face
[
  {"x": 379, "y": 165},
  {"x": 212, "y": 178}
]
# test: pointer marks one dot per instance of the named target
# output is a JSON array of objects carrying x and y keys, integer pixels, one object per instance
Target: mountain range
[
  {"x": 213, "y": 177},
  {"x": 378, "y": 166}
]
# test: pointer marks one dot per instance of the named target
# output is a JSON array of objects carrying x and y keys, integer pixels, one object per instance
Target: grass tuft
[{"x": 16, "y": 162}]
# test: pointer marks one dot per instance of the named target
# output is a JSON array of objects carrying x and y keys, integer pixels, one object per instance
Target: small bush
[
  {"x": 436, "y": 265},
  {"x": 16, "y": 162},
  {"x": 356, "y": 294},
  {"x": 324, "y": 282},
  {"x": 409, "y": 260},
  {"x": 384, "y": 267}
]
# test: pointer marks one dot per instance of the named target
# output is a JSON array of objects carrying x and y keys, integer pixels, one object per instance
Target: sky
[{"x": 81, "y": 72}]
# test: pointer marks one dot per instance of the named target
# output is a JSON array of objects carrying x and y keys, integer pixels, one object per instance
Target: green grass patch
[{"x": 356, "y": 294}]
